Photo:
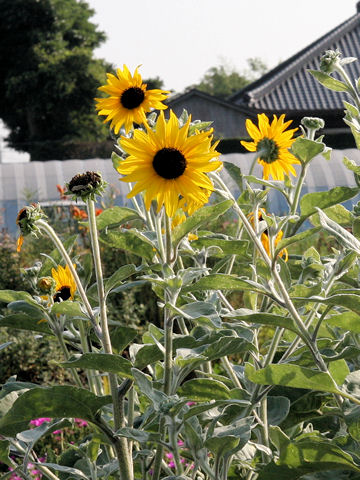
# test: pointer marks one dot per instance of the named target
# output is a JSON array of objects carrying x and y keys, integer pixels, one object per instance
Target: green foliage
[
  {"x": 49, "y": 76},
  {"x": 232, "y": 353},
  {"x": 224, "y": 80}
]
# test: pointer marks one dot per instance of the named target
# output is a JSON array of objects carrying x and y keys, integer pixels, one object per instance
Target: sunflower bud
[
  {"x": 26, "y": 219},
  {"x": 330, "y": 61},
  {"x": 46, "y": 284},
  {"x": 85, "y": 186},
  {"x": 312, "y": 125}
]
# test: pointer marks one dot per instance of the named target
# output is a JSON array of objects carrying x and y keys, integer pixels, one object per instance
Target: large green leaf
[
  {"x": 345, "y": 238},
  {"x": 264, "y": 319},
  {"x": 329, "y": 82},
  {"x": 105, "y": 362},
  {"x": 121, "y": 337},
  {"x": 349, "y": 321},
  {"x": 226, "y": 345},
  {"x": 22, "y": 321},
  {"x": 131, "y": 241},
  {"x": 277, "y": 409},
  {"x": 228, "y": 247},
  {"x": 54, "y": 402},
  {"x": 138, "y": 435},
  {"x": 200, "y": 312},
  {"x": 199, "y": 218},
  {"x": 311, "y": 201},
  {"x": 291, "y": 376},
  {"x": 8, "y": 296},
  {"x": 350, "y": 301},
  {"x": 227, "y": 439},
  {"x": 120, "y": 275},
  {"x": 69, "y": 308},
  {"x": 5, "y": 452},
  {"x": 305, "y": 149},
  {"x": 337, "y": 213},
  {"x": 285, "y": 242},
  {"x": 221, "y": 281},
  {"x": 71, "y": 472},
  {"x": 235, "y": 173},
  {"x": 204, "y": 390},
  {"x": 33, "y": 310},
  {"x": 114, "y": 216}
]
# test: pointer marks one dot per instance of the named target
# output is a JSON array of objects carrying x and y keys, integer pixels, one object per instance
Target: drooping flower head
[
  {"x": 129, "y": 100},
  {"x": 271, "y": 142},
  {"x": 26, "y": 221},
  {"x": 167, "y": 164},
  {"x": 265, "y": 239},
  {"x": 65, "y": 284},
  {"x": 86, "y": 185}
]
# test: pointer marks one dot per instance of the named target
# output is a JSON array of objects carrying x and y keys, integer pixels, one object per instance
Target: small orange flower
[
  {"x": 19, "y": 243},
  {"x": 78, "y": 213},
  {"x": 61, "y": 190}
]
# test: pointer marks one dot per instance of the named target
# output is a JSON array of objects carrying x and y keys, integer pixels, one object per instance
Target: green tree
[
  {"x": 224, "y": 80},
  {"x": 48, "y": 76},
  {"x": 154, "y": 82}
]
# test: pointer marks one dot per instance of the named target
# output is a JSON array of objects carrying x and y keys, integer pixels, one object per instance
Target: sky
[{"x": 178, "y": 40}]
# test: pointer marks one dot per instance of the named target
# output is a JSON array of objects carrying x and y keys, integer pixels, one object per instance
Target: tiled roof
[
  {"x": 290, "y": 87},
  {"x": 182, "y": 97}
]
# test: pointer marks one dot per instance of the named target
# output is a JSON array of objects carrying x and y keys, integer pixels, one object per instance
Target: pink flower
[
  {"x": 39, "y": 421},
  {"x": 81, "y": 422},
  {"x": 189, "y": 404},
  {"x": 169, "y": 455},
  {"x": 56, "y": 432},
  {"x": 172, "y": 464},
  {"x": 180, "y": 443}
]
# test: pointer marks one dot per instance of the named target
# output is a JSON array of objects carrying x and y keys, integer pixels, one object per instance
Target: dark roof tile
[{"x": 289, "y": 86}]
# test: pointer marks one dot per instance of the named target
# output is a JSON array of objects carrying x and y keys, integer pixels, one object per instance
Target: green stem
[
  {"x": 159, "y": 236},
  {"x": 57, "y": 242},
  {"x": 67, "y": 356},
  {"x": 169, "y": 260},
  {"x": 175, "y": 447},
  {"x": 285, "y": 298},
  {"x": 297, "y": 194},
  {"x": 48, "y": 473},
  {"x": 92, "y": 376},
  {"x": 44, "y": 226},
  {"x": 121, "y": 445},
  {"x": 264, "y": 427}
]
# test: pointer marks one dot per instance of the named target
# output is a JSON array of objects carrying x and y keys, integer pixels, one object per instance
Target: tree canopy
[
  {"x": 224, "y": 80},
  {"x": 49, "y": 77}
]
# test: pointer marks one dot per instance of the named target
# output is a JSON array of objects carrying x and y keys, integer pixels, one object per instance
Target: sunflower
[
  {"x": 166, "y": 163},
  {"x": 265, "y": 240},
  {"x": 65, "y": 285},
  {"x": 129, "y": 99},
  {"x": 271, "y": 143}
]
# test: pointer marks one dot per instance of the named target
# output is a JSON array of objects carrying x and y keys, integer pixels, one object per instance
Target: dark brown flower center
[
  {"x": 21, "y": 215},
  {"x": 132, "y": 97},
  {"x": 62, "y": 294},
  {"x": 266, "y": 231},
  {"x": 169, "y": 163},
  {"x": 268, "y": 150},
  {"x": 83, "y": 182}
]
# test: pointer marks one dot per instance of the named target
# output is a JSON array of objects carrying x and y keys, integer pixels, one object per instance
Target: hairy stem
[{"x": 121, "y": 445}]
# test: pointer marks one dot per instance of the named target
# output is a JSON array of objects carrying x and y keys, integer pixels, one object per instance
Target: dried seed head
[{"x": 86, "y": 185}]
